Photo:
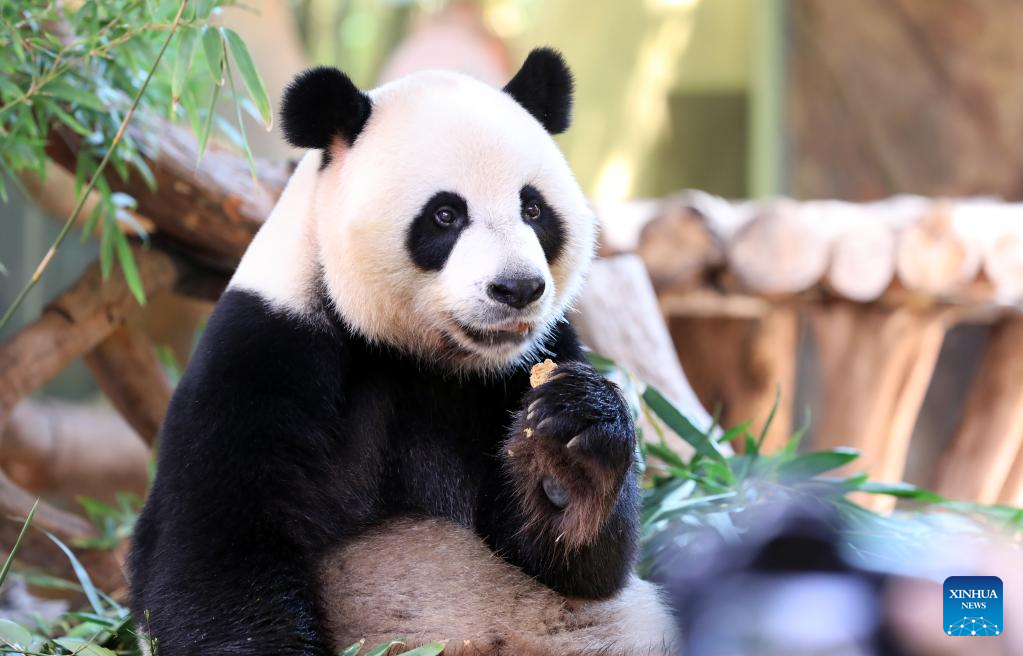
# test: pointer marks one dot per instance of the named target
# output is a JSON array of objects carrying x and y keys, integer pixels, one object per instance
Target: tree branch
[{"x": 211, "y": 211}]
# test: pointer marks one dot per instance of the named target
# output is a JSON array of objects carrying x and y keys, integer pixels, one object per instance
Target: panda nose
[{"x": 516, "y": 292}]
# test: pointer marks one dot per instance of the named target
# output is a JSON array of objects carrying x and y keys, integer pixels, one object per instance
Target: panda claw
[{"x": 574, "y": 442}]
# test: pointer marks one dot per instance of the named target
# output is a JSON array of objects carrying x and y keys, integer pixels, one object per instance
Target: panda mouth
[{"x": 507, "y": 333}]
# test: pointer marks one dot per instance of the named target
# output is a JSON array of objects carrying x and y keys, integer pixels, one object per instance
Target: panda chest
[{"x": 439, "y": 442}]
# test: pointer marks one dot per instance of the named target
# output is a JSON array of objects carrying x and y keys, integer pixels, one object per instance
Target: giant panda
[{"x": 355, "y": 450}]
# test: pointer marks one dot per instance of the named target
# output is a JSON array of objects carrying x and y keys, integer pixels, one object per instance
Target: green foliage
[
  {"x": 71, "y": 71},
  {"x": 104, "y": 631},
  {"x": 113, "y": 523},
  {"x": 722, "y": 494}
]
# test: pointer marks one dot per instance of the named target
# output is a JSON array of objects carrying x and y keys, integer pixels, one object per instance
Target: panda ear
[
  {"x": 544, "y": 87},
  {"x": 320, "y": 105}
]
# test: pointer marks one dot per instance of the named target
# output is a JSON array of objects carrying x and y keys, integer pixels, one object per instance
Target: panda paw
[
  {"x": 583, "y": 412},
  {"x": 570, "y": 449}
]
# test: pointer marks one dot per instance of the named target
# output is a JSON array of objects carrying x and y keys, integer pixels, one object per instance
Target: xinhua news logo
[{"x": 973, "y": 606}]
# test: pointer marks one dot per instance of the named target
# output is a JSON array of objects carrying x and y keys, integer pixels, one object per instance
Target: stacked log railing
[{"x": 878, "y": 285}]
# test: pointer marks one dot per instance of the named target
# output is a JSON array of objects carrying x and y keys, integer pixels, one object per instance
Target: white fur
[
  {"x": 428, "y": 132},
  {"x": 280, "y": 264}
]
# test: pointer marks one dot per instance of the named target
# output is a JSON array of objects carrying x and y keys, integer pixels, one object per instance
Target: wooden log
[
  {"x": 876, "y": 365},
  {"x": 622, "y": 222},
  {"x": 934, "y": 258},
  {"x": 711, "y": 303},
  {"x": 617, "y": 316},
  {"x": 862, "y": 259},
  {"x": 72, "y": 449},
  {"x": 128, "y": 372},
  {"x": 741, "y": 365},
  {"x": 725, "y": 218},
  {"x": 1003, "y": 266},
  {"x": 213, "y": 210},
  {"x": 678, "y": 248},
  {"x": 998, "y": 227},
  {"x": 74, "y": 324},
  {"x": 977, "y": 464},
  {"x": 780, "y": 251}
]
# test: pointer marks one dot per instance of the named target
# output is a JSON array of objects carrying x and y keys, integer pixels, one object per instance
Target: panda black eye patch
[
  {"x": 545, "y": 222},
  {"x": 435, "y": 230}
]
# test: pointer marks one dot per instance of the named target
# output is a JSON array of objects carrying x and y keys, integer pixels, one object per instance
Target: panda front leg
[{"x": 570, "y": 493}]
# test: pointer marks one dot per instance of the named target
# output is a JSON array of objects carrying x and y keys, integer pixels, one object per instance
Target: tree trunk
[
  {"x": 978, "y": 463},
  {"x": 876, "y": 366},
  {"x": 742, "y": 365}
]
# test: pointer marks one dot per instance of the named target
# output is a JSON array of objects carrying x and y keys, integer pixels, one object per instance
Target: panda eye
[
  {"x": 531, "y": 212},
  {"x": 445, "y": 217}
]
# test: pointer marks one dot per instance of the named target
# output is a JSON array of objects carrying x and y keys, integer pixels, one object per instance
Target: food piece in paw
[{"x": 541, "y": 371}]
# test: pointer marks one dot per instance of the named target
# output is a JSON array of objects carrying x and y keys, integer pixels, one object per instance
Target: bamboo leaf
[
  {"x": 665, "y": 454},
  {"x": 90, "y": 223},
  {"x": 70, "y": 121},
  {"x": 83, "y": 576},
  {"x": 80, "y": 647},
  {"x": 677, "y": 422},
  {"x": 129, "y": 268},
  {"x": 808, "y": 465},
  {"x": 14, "y": 635},
  {"x": 250, "y": 76},
  {"x": 243, "y": 138},
  {"x": 75, "y": 97},
  {"x": 733, "y": 432},
  {"x": 17, "y": 543},
  {"x": 431, "y": 649},
  {"x": 106, "y": 246},
  {"x": 203, "y": 8},
  {"x": 902, "y": 491},
  {"x": 214, "y": 51},
  {"x": 187, "y": 41},
  {"x": 208, "y": 125}
]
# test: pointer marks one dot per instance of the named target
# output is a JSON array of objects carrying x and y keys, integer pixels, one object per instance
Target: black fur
[
  {"x": 286, "y": 436},
  {"x": 320, "y": 105},
  {"x": 428, "y": 243},
  {"x": 544, "y": 87},
  {"x": 549, "y": 227}
]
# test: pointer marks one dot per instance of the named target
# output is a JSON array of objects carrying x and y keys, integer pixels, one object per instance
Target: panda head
[{"x": 447, "y": 221}]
